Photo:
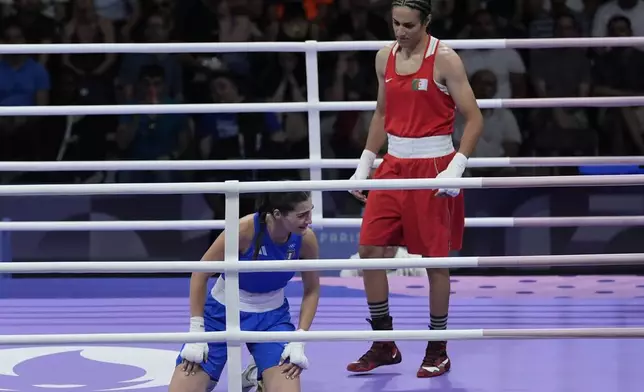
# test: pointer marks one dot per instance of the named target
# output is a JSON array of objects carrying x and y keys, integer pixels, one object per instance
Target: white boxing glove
[
  {"x": 294, "y": 352},
  {"x": 364, "y": 166},
  {"x": 455, "y": 169},
  {"x": 195, "y": 352}
]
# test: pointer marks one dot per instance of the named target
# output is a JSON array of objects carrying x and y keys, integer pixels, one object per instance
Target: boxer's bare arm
[
  {"x": 377, "y": 135},
  {"x": 452, "y": 72},
  {"x": 199, "y": 280}
]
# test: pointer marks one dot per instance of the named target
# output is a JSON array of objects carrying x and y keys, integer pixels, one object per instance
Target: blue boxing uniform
[{"x": 263, "y": 306}]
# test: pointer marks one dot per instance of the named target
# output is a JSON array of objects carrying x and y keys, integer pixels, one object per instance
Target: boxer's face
[
  {"x": 408, "y": 27},
  {"x": 299, "y": 219}
]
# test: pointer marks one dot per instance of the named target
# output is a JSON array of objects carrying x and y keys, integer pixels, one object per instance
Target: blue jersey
[{"x": 264, "y": 282}]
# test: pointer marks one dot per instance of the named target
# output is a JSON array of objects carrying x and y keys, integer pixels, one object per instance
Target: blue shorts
[{"x": 266, "y": 354}]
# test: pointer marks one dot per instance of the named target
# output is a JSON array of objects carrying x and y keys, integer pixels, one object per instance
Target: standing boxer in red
[{"x": 421, "y": 84}]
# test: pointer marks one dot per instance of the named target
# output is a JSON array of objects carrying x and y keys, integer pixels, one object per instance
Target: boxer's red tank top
[{"x": 415, "y": 106}]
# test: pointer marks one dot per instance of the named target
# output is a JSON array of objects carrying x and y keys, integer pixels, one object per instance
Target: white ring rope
[
  {"x": 272, "y": 164},
  {"x": 123, "y": 267},
  {"x": 287, "y": 107},
  {"x": 334, "y": 185},
  {"x": 315, "y": 46},
  {"x": 207, "y": 224},
  {"x": 312, "y": 336}
]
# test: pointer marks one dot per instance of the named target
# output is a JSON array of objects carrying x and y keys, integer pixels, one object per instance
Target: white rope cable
[
  {"x": 287, "y": 107},
  {"x": 312, "y": 336},
  {"x": 272, "y": 164},
  {"x": 207, "y": 224},
  {"x": 318, "y": 46},
  {"x": 79, "y": 267},
  {"x": 334, "y": 185}
]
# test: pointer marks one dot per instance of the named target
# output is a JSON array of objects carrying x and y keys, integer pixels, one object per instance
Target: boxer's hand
[
  {"x": 297, "y": 361},
  {"x": 362, "y": 173},
  {"x": 194, "y": 354},
  {"x": 455, "y": 169}
]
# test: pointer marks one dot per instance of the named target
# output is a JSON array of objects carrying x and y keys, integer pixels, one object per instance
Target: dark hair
[
  {"x": 422, "y": 6},
  {"x": 268, "y": 202},
  {"x": 617, "y": 19}
]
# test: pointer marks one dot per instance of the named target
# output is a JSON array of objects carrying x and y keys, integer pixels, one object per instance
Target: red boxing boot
[{"x": 380, "y": 353}]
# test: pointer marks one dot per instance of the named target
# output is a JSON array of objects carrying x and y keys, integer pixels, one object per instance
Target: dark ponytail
[{"x": 263, "y": 206}]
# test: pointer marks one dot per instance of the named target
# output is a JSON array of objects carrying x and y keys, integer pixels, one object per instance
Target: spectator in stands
[
  {"x": 569, "y": 76},
  {"x": 539, "y": 20},
  {"x": 123, "y": 15},
  {"x": 225, "y": 136},
  {"x": 506, "y": 64},
  {"x": 149, "y": 137},
  {"x": 542, "y": 16},
  {"x": 346, "y": 80},
  {"x": 562, "y": 130},
  {"x": 448, "y": 19},
  {"x": 94, "y": 69},
  {"x": 23, "y": 82},
  {"x": 156, "y": 31},
  {"x": 38, "y": 28},
  {"x": 362, "y": 23},
  {"x": 347, "y": 130},
  {"x": 618, "y": 72},
  {"x": 79, "y": 138},
  {"x": 216, "y": 21},
  {"x": 586, "y": 16},
  {"x": 507, "y": 11},
  {"x": 236, "y": 26},
  {"x": 200, "y": 23},
  {"x": 237, "y": 136},
  {"x": 631, "y": 9},
  {"x": 167, "y": 9},
  {"x": 286, "y": 82},
  {"x": 501, "y": 135},
  {"x": 294, "y": 25},
  {"x": 268, "y": 22}
]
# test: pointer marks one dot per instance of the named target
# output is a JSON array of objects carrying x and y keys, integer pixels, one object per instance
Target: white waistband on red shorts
[
  {"x": 250, "y": 302},
  {"x": 419, "y": 148}
]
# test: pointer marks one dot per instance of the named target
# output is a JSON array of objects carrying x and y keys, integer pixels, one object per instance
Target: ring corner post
[
  {"x": 315, "y": 134},
  {"x": 231, "y": 255}
]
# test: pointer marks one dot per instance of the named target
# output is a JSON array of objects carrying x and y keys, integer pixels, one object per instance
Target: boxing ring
[{"x": 530, "y": 334}]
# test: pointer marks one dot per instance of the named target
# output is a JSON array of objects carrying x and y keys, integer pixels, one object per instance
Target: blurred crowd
[{"x": 104, "y": 79}]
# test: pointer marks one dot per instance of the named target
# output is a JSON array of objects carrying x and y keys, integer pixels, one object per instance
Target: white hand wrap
[
  {"x": 455, "y": 169},
  {"x": 294, "y": 352},
  {"x": 195, "y": 352},
  {"x": 364, "y": 166}
]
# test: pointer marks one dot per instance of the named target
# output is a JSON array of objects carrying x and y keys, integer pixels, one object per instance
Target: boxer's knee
[
  {"x": 372, "y": 252},
  {"x": 437, "y": 275},
  {"x": 199, "y": 381}
]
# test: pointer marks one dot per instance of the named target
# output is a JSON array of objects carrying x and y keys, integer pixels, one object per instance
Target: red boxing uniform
[{"x": 419, "y": 121}]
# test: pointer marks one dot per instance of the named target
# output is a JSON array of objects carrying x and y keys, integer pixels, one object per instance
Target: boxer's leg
[
  {"x": 433, "y": 229},
  {"x": 380, "y": 230},
  {"x": 267, "y": 355}
]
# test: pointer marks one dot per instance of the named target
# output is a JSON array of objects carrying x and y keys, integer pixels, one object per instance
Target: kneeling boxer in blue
[{"x": 279, "y": 230}]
